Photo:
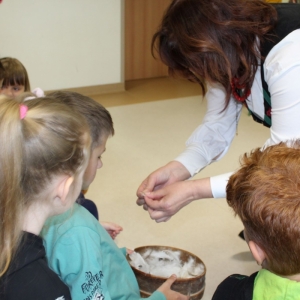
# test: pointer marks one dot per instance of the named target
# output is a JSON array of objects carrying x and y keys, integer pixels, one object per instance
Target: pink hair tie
[{"x": 23, "y": 111}]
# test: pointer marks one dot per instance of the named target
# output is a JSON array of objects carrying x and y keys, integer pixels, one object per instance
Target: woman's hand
[
  {"x": 164, "y": 176},
  {"x": 162, "y": 204},
  {"x": 112, "y": 228},
  {"x": 165, "y": 288}
]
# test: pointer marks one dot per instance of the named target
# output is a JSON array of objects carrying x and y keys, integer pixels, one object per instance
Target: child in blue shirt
[
  {"x": 78, "y": 248},
  {"x": 101, "y": 127}
]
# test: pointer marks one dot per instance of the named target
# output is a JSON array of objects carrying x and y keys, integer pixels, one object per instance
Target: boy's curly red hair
[{"x": 265, "y": 194}]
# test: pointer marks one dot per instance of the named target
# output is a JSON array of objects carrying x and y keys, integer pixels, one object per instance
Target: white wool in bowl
[{"x": 164, "y": 263}]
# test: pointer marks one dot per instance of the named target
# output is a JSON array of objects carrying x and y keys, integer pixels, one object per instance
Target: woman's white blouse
[{"x": 212, "y": 139}]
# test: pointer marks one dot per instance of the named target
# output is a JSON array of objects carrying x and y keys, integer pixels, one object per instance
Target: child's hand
[
  {"x": 165, "y": 288},
  {"x": 112, "y": 228},
  {"x": 129, "y": 251}
]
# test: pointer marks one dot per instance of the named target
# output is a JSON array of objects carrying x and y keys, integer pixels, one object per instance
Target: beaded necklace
[{"x": 239, "y": 92}]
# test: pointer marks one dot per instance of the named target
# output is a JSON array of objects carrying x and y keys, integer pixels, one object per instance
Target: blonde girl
[{"x": 44, "y": 152}]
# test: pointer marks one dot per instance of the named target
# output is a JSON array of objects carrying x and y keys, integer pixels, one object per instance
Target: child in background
[
  {"x": 1, "y": 73},
  {"x": 101, "y": 127},
  {"x": 44, "y": 152},
  {"x": 265, "y": 194},
  {"x": 78, "y": 248},
  {"x": 16, "y": 80}
]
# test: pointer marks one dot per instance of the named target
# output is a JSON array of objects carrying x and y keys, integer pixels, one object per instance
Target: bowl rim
[{"x": 164, "y": 278}]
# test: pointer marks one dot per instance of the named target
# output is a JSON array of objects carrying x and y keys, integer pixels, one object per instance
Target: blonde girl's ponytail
[
  {"x": 40, "y": 139},
  {"x": 10, "y": 178}
]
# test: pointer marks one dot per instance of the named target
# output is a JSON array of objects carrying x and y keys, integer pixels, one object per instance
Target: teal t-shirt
[
  {"x": 87, "y": 259},
  {"x": 267, "y": 285}
]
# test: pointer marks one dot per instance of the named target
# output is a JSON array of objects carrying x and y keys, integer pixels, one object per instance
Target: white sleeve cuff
[
  {"x": 192, "y": 161},
  {"x": 218, "y": 185}
]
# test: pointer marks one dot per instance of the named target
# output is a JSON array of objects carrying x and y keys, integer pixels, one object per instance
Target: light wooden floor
[
  {"x": 147, "y": 90},
  {"x": 152, "y": 120}
]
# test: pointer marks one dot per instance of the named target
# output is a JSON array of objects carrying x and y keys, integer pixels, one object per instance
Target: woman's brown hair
[{"x": 214, "y": 40}]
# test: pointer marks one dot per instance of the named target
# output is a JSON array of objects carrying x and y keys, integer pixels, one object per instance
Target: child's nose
[{"x": 10, "y": 92}]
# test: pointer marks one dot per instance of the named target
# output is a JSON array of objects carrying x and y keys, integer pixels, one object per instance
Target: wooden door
[{"x": 142, "y": 18}]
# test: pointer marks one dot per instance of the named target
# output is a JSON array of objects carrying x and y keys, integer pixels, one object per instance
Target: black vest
[
  {"x": 288, "y": 21},
  {"x": 235, "y": 287}
]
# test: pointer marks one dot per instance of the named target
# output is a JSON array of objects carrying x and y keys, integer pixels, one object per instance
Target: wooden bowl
[{"x": 150, "y": 283}]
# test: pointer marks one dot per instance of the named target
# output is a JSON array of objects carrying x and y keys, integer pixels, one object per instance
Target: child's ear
[
  {"x": 257, "y": 252},
  {"x": 64, "y": 188}
]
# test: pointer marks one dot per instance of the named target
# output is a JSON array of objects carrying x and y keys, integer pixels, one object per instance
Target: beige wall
[{"x": 64, "y": 43}]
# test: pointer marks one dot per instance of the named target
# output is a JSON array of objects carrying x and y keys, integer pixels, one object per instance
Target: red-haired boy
[{"x": 265, "y": 194}]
